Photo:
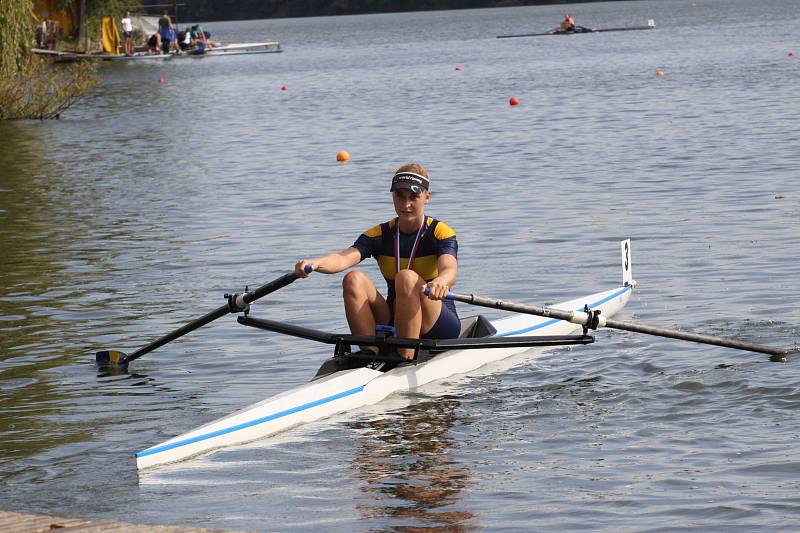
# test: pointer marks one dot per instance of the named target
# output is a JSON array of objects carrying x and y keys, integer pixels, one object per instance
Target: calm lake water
[{"x": 147, "y": 202}]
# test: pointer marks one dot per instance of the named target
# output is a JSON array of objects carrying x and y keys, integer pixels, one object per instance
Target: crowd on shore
[{"x": 168, "y": 38}]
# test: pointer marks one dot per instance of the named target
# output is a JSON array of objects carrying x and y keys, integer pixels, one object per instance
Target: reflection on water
[
  {"x": 37, "y": 294},
  {"x": 408, "y": 473},
  {"x": 115, "y": 230}
]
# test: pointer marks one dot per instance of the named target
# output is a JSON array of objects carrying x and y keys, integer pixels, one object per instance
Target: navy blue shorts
[{"x": 448, "y": 326}]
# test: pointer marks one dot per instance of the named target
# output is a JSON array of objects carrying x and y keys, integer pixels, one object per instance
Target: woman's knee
[
  {"x": 407, "y": 281},
  {"x": 355, "y": 282}
]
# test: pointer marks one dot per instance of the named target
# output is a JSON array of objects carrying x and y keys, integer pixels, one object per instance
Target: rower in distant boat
[
  {"x": 414, "y": 252},
  {"x": 568, "y": 24}
]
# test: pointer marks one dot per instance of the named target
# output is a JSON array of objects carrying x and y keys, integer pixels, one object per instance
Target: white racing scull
[{"x": 335, "y": 391}]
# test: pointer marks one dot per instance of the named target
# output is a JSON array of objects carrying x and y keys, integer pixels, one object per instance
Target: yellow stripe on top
[
  {"x": 443, "y": 231},
  {"x": 374, "y": 232},
  {"x": 379, "y": 242},
  {"x": 425, "y": 266}
]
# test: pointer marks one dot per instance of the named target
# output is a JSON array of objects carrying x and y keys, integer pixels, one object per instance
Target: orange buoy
[
  {"x": 342, "y": 156},
  {"x": 513, "y": 101},
  {"x": 285, "y": 88},
  {"x": 660, "y": 73}
]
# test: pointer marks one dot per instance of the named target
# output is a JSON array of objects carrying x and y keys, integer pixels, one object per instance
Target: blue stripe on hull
[
  {"x": 546, "y": 323},
  {"x": 245, "y": 425}
]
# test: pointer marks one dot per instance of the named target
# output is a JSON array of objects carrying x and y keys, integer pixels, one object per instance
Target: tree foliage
[
  {"x": 42, "y": 90},
  {"x": 17, "y": 22},
  {"x": 97, "y": 9},
  {"x": 32, "y": 87}
]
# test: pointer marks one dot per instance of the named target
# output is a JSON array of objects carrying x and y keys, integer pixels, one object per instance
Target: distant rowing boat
[
  {"x": 236, "y": 49},
  {"x": 651, "y": 24}
]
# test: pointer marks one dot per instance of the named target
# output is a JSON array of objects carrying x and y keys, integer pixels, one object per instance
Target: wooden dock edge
[{"x": 29, "y": 523}]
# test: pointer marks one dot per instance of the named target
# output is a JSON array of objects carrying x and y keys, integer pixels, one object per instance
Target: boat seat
[{"x": 473, "y": 327}]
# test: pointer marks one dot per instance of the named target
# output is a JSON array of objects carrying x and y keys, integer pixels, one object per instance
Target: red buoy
[
  {"x": 513, "y": 101},
  {"x": 791, "y": 54},
  {"x": 458, "y": 69},
  {"x": 162, "y": 80},
  {"x": 285, "y": 88}
]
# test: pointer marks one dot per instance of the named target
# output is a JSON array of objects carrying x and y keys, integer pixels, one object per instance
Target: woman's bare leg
[
  {"x": 364, "y": 306},
  {"x": 414, "y": 313}
]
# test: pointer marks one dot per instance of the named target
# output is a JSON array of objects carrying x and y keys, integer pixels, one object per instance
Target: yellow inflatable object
[{"x": 110, "y": 36}]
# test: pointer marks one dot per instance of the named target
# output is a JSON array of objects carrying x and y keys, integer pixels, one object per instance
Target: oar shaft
[
  {"x": 515, "y": 307},
  {"x": 180, "y": 332},
  {"x": 241, "y": 301},
  {"x": 695, "y": 337},
  {"x": 578, "y": 317}
]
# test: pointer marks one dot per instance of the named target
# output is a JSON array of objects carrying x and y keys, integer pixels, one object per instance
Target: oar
[
  {"x": 595, "y": 321},
  {"x": 236, "y": 303}
]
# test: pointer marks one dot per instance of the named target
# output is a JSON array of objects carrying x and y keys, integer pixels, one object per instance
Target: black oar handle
[
  {"x": 234, "y": 305},
  {"x": 584, "y": 319}
]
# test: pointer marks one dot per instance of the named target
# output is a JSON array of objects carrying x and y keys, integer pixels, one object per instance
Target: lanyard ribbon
[{"x": 417, "y": 241}]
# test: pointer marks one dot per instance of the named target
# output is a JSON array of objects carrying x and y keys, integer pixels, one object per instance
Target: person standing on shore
[
  {"x": 163, "y": 21},
  {"x": 166, "y": 32},
  {"x": 127, "y": 32}
]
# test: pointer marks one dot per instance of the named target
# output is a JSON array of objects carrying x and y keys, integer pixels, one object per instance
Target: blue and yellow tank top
[{"x": 379, "y": 242}]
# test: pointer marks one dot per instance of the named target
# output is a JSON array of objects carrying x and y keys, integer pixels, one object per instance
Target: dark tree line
[{"x": 258, "y": 9}]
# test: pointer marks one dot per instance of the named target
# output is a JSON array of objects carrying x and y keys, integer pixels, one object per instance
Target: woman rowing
[
  {"x": 414, "y": 252},
  {"x": 568, "y": 24}
]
